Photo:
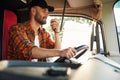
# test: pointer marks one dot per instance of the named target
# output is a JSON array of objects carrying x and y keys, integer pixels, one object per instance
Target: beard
[{"x": 41, "y": 20}]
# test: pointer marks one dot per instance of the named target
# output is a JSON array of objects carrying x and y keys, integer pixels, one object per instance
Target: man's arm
[
  {"x": 55, "y": 28},
  {"x": 57, "y": 41},
  {"x": 41, "y": 53}
]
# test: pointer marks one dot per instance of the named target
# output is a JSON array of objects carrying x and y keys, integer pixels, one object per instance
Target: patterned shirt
[{"x": 21, "y": 41}]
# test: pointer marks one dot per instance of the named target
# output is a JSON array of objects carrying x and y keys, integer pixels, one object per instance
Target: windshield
[{"x": 75, "y": 31}]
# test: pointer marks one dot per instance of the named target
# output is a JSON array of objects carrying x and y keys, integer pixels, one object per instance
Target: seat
[{"x": 10, "y": 19}]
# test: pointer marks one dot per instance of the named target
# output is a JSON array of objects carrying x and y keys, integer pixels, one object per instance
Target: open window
[{"x": 117, "y": 19}]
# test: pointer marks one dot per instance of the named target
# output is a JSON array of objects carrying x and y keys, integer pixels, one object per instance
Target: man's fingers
[
  {"x": 53, "y": 20},
  {"x": 71, "y": 53},
  {"x": 54, "y": 24}
]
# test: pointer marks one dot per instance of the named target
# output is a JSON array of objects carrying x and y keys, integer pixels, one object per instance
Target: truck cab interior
[{"x": 92, "y": 26}]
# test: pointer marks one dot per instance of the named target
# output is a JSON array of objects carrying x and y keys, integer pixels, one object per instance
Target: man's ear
[{"x": 33, "y": 11}]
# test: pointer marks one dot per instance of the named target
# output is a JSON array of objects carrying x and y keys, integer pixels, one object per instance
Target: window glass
[
  {"x": 117, "y": 17},
  {"x": 75, "y": 31}
]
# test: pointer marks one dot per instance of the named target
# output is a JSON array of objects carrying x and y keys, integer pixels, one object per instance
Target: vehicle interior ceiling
[{"x": 90, "y": 8}]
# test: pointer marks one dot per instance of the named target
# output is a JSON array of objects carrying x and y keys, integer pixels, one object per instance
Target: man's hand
[
  {"x": 55, "y": 25},
  {"x": 68, "y": 53}
]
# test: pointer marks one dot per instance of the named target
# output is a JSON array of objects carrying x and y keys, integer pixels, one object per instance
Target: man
[{"x": 24, "y": 36}]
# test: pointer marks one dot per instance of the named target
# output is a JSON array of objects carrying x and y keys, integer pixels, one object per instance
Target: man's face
[{"x": 41, "y": 15}]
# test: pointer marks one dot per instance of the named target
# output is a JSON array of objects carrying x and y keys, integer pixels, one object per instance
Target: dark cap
[{"x": 41, "y": 3}]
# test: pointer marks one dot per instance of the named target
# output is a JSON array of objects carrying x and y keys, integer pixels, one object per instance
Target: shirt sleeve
[{"x": 19, "y": 45}]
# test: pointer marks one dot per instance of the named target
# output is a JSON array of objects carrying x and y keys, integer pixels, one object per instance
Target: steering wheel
[{"x": 82, "y": 48}]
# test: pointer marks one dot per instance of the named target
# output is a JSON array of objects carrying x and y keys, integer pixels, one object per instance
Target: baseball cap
[{"x": 41, "y": 3}]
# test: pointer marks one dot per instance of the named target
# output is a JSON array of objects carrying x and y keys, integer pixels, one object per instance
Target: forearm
[
  {"x": 41, "y": 53},
  {"x": 55, "y": 28},
  {"x": 57, "y": 41}
]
